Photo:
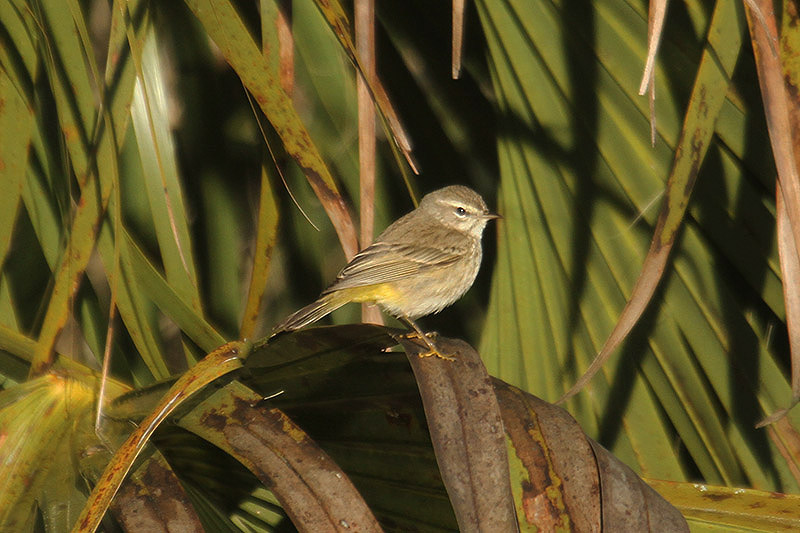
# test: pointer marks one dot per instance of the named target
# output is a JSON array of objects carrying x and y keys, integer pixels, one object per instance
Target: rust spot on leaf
[
  {"x": 215, "y": 420},
  {"x": 539, "y": 510},
  {"x": 717, "y": 497},
  {"x": 790, "y": 14}
]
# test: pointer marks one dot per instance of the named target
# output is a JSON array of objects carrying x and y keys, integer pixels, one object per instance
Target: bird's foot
[{"x": 430, "y": 341}]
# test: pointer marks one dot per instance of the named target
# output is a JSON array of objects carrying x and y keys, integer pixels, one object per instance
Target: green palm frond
[{"x": 160, "y": 164}]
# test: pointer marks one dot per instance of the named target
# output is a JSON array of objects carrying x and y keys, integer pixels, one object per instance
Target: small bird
[{"x": 420, "y": 264}]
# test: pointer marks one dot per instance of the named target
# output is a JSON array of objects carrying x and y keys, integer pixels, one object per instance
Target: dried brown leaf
[
  {"x": 459, "y": 9},
  {"x": 312, "y": 489},
  {"x": 467, "y": 434},
  {"x": 778, "y": 82},
  {"x": 154, "y": 500},
  {"x": 571, "y": 482}
]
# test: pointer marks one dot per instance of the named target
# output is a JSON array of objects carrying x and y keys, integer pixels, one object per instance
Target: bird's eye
[{"x": 460, "y": 211}]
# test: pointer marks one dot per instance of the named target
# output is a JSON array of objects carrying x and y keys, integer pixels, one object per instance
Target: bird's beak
[{"x": 491, "y": 216}]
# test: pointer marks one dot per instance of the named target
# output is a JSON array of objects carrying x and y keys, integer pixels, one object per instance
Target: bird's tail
[{"x": 311, "y": 313}]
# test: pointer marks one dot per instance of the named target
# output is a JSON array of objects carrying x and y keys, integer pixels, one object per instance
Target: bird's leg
[{"x": 427, "y": 338}]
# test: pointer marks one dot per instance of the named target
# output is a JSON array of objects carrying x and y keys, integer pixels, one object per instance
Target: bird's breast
[{"x": 433, "y": 289}]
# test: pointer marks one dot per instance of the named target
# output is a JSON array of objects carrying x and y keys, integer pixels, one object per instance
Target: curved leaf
[
  {"x": 466, "y": 432},
  {"x": 219, "y": 362},
  {"x": 566, "y": 480},
  {"x": 310, "y": 487}
]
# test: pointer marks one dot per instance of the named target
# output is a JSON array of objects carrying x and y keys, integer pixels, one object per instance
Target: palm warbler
[{"x": 422, "y": 263}]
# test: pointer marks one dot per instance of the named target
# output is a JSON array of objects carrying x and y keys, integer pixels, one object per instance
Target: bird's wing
[{"x": 385, "y": 262}]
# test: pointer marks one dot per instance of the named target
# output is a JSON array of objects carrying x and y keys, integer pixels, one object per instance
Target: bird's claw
[{"x": 429, "y": 340}]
